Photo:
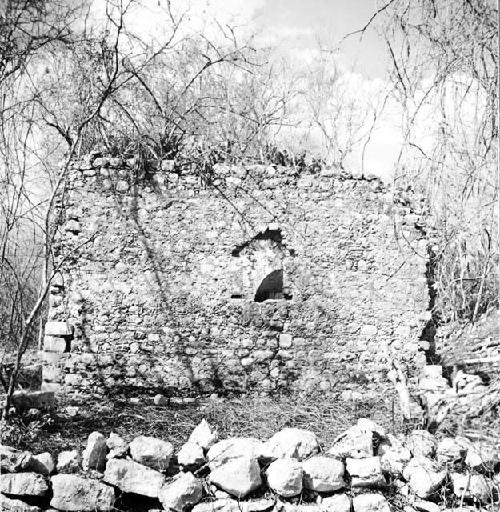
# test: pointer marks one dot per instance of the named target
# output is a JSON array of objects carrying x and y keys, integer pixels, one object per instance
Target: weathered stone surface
[
  {"x": 336, "y": 503},
  {"x": 231, "y": 505},
  {"x": 74, "y": 493},
  {"x": 130, "y": 476},
  {"x": 68, "y": 461},
  {"x": 323, "y": 474},
  {"x": 284, "y": 477},
  {"x": 191, "y": 455},
  {"x": 424, "y": 476},
  {"x": 294, "y": 443},
  {"x": 42, "y": 463},
  {"x": 94, "y": 455},
  {"x": 23, "y": 484},
  {"x": 238, "y": 477},
  {"x": 355, "y": 443},
  {"x": 151, "y": 452},
  {"x": 183, "y": 491},
  {"x": 472, "y": 486},
  {"x": 421, "y": 443},
  {"x": 365, "y": 472},
  {"x": 160, "y": 399},
  {"x": 450, "y": 451},
  {"x": 12, "y": 460},
  {"x": 13, "y": 505},
  {"x": 426, "y": 506},
  {"x": 234, "y": 448},
  {"x": 370, "y": 503},
  {"x": 117, "y": 446},
  {"x": 203, "y": 435}
]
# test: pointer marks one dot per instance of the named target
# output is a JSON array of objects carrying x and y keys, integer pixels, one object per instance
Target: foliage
[{"x": 444, "y": 57}]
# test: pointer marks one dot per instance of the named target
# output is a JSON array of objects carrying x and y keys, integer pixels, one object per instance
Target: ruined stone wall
[{"x": 263, "y": 279}]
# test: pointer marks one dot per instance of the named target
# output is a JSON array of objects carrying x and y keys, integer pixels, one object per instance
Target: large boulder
[
  {"x": 94, "y": 455},
  {"x": 421, "y": 443},
  {"x": 182, "y": 492},
  {"x": 13, "y": 505},
  {"x": 336, "y": 503},
  {"x": 365, "y": 472},
  {"x": 370, "y": 503},
  {"x": 68, "y": 461},
  {"x": 72, "y": 492},
  {"x": 323, "y": 474},
  {"x": 472, "y": 486},
  {"x": 237, "y": 477},
  {"x": 424, "y": 476},
  {"x": 203, "y": 435},
  {"x": 23, "y": 484},
  {"x": 284, "y": 477},
  {"x": 130, "y": 476},
  {"x": 293, "y": 443},
  {"x": 42, "y": 463},
  {"x": 152, "y": 452},
  {"x": 234, "y": 448},
  {"x": 12, "y": 460},
  {"x": 355, "y": 443},
  {"x": 191, "y": 455}
]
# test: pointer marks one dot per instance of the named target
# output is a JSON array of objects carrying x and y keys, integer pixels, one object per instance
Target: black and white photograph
[{"x": 249, "y": 256}]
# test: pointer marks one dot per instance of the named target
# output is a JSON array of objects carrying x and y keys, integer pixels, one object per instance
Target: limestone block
[
  {"x": 365, "y": 472},
  {"x": 294, "y": 443},
  {"x": 204, "y": 435},
  {"x": 355, "y": 443},
  {"x": 151, "y": 452},
  {"x": 24, "y": 400},
  {"x": 12, "y": 460},
  {"x": 54, "y": 328},
  {"x": 54, "y": 344},
  {"x": 336, "y": 503},
  {"x": 74, "y": 493},
  {"x": 182, "y": 492},
  {"x": 237, "y": 477},
  {"x": 117, "y": 446},
  {"x": 234, "y": 448},
  {"x": 23, "y": 484},
  {"x": 191, "y": 455},
  {"x": 42, "y": 463},
  {"x": 284, "y": 477},
  {"x": 94, "y": 455},
  {"x": 482, "y": 456},
  {"x": 424, "y": 476},
  {"x": 323, "y": 474},
  {"x": 129, "y": 476},
  {"x": 421, "y": 443},
  {"x": 370, "y": 503},
  {"x": 13, "y": 505},
  {"x": 68, "y": 461}
]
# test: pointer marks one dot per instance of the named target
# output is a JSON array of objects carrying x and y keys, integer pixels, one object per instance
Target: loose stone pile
[{"x": 365, "y": 470}]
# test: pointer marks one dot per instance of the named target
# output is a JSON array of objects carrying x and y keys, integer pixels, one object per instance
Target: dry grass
[{"x": 257, "y": 417}]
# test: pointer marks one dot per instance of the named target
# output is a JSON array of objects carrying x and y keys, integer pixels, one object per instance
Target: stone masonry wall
[{"x": 261, "y": 279}]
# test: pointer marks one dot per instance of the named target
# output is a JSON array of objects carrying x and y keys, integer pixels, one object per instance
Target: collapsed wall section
[{"x": 251, "y": 278}]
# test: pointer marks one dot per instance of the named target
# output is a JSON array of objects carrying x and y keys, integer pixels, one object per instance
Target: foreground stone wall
[
  {"x": 254, "y": 277},
  {"x": 365, "y": 470}
]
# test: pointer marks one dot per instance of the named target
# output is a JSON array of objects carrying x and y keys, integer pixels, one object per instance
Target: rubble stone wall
[{"x": 251, "y": 278}]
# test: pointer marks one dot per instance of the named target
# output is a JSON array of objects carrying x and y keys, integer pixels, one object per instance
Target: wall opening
[{"x": 271, "y": 287}]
